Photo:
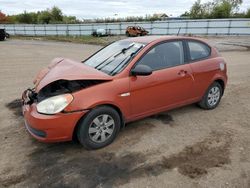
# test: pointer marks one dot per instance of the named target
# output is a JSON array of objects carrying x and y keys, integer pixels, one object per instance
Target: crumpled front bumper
[{"x": 50, "y": 128}]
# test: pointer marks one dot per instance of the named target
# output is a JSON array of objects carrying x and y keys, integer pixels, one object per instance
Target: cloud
[{"x": 102, "y": 8}]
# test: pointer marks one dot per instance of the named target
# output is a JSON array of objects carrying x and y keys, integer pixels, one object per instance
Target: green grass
[{"x": 75, "y": 39}]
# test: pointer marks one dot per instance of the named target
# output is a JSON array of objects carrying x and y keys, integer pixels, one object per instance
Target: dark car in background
[
  {"x": 3, "y": 34},
  {"x": 135, "y": 31}
]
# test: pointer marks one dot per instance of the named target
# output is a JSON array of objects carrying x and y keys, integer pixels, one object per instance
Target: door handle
[{"x": 182, "y": 72}]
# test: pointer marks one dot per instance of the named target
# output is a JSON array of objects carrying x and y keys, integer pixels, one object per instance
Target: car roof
[{"x": 154, "y": 38}]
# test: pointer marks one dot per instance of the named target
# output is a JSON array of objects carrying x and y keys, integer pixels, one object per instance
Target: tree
[
  {"x": 53, "y": 15},
  {"x": 70, "y": 19},
  {"x": 34, "y": 17},
  {"x": 3, "y": 18},
  {"x": 24, "y": 18},
  {"x": 239, "y": 15},
  {"x": 234, "y": 3},
  {"x": 222, "y": 10},
  {"x": 248, "y": 13},
  {"x": 44, "y": 17},
  {"x": 185, "y": 14},
  {"x": 214, "y": 9},
  {"x": 207, "y": 9},
  {"x": 197, "y": 10},
  {"x": 56, "y": 14}
]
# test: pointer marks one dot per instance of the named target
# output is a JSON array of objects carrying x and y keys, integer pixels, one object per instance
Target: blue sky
[{"x": 104, "y": 8}]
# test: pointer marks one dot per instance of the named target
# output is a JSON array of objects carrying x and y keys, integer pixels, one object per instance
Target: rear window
[{"x": 198, "y": 50}]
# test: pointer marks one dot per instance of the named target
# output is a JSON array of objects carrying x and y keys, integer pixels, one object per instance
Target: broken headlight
[{"x": 54, "y": 104}]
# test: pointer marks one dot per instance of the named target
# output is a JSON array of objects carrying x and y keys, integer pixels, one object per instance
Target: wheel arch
[
  {"x": 74, "y": 135},
  {"x": 221, "y": 79},
  {"x": 222, "y": 83}
]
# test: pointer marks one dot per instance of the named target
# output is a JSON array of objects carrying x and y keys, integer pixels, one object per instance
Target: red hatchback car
[{"x": 127, "y": 80}]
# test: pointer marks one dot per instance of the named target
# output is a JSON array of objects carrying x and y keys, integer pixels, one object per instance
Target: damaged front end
[
  {"x": 54, "y": 85},
  {"x": 29, "y": 96},
  {"x": 65, "y": 86},
  {"x": 58, "y": 87}
]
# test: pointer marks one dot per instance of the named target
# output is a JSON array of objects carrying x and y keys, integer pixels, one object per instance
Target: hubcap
[
  {"x": 213, "y": 96},
  {"x": 101, "y": 128}
]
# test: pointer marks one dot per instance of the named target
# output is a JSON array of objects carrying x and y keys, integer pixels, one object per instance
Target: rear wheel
[
  {"x": 212, "y": 97},
  {"x": 99, "y": 128}
]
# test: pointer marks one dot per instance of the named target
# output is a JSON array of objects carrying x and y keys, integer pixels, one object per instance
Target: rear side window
[
  {"x": 198, "y": 50},
  {"x": 164, "y": 55}
]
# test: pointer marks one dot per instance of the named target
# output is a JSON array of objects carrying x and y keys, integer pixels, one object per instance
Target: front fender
[{"x": 108, "y": 93}]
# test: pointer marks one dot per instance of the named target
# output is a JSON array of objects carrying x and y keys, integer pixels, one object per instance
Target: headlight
[{"x": 54, "y": 104}]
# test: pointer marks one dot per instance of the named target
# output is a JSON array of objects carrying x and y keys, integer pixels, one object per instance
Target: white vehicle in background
[{"x": 101, "y": 32}]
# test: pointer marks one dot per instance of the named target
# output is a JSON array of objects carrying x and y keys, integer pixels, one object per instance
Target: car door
[{"x": 169, "y": 85}]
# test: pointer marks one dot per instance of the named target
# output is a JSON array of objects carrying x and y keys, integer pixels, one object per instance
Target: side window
[
  {"x": 198, "y": 50},
  {"x": 164, "y": 55}
]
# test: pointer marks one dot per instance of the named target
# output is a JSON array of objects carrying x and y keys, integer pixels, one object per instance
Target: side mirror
[{"x": 141, "y": 70}]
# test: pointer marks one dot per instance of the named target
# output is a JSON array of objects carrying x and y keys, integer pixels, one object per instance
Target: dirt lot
[{"x": 186, "y": 147}]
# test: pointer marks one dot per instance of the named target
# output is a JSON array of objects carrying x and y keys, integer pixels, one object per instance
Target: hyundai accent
[{"x": 125, "y": 81}]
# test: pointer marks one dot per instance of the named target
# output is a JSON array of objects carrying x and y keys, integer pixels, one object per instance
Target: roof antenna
[{"x": 179, "y": 31}]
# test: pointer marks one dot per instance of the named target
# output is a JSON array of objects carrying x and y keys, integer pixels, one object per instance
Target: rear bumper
[{"x": 50, "y": 128}]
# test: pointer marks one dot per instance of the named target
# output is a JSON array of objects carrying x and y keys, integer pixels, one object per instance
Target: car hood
[{"x": 66, "y": 69}]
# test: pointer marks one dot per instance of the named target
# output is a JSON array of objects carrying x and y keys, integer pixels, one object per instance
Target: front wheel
[
  {"x": 212, "y": 97},
  {"x": 99, "y": 128}
]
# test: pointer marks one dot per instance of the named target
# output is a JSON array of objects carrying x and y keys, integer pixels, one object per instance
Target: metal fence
[{"x": 170, "y": 27}]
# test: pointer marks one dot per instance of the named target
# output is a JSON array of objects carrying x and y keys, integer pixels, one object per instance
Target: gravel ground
[{"x": 185, "y": 147}]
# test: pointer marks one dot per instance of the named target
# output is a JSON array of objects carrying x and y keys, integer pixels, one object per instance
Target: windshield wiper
[
  {"x": 125, "y": 49},
  {"x": 122, "y": 65},
  {"x": 96, "y": 67},
  {"x": 113, "y": 57}
]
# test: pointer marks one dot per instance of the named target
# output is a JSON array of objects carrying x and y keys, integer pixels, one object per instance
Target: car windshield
[{"x": 114, "y": 58}]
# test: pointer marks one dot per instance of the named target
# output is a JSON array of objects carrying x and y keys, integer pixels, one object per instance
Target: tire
[
  {"x": 92, "y": 130},
  {"x": 212, "y": 97},
  {"x": 127, "y": 34}
]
